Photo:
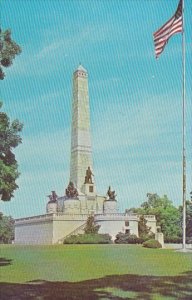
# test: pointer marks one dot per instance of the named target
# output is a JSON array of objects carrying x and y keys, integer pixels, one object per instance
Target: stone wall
[
  {"x": 52, "y": 228},
  {"x": 47, "y": 229},
  {"x": 35, "y": 230},
  {"x": 115, "y": 223},
  {"x": 63, "y": 225},
  {"x": 151, "y": 222}
]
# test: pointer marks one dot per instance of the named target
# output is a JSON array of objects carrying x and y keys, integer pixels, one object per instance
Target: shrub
[
  {"x": 91, "y": 227},
  {"x": 173, "y": 239},
  {"x": 145, "y": 237},
  {"x": 88, "y": 239},
  {"x": 152, "y": 244},
  {"x": 177, "y": 240},
  {"x": 143, "y": 229},
  {"x": 125, "y": 238},
  {"x": 189, "y": 240}
]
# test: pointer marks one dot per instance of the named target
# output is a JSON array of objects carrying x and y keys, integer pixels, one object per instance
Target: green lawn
[{"x": 94, "y": 272}]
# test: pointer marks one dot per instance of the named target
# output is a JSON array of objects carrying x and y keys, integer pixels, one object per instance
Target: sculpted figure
[
  {"x": 53, "y": 196},
  {"x": 111, "y": 194},
  {"x": 71, "y": 191},
  {"x": 88, "y": 177}
]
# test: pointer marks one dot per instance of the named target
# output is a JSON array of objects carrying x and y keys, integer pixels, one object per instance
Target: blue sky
[{"x": 135, "y": 100}]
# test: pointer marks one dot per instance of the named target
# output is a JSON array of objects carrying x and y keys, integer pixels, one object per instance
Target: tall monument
[
  {"x": 67, "y": 214},
  {"x": 81, "y": 150}
]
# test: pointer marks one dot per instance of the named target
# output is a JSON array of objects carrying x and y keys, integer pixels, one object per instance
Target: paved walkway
[{"x": 179, "y": 247}]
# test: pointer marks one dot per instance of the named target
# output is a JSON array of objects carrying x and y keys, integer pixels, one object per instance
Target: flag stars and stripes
[{"x": 171, "y": 27}]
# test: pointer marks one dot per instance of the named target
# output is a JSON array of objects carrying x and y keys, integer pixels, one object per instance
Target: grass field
[{"x": 94, "y": 272}]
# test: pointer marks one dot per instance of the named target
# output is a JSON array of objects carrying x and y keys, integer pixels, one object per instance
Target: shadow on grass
[
  {"x": 5, "y": 262},
  {"x": 109, "y": 287}
]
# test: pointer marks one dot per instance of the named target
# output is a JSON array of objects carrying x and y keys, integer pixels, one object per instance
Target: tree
[
  {"x": 167, "y": 215},
  {"x": 8, "y": 50},
  {"x": 143, "y": 229},
  {"x": 188, "y": 218},
  {"x": 90, "y": 226},
  {"x": 9, "y": 139},
  {"x": 6, "y": 229}
]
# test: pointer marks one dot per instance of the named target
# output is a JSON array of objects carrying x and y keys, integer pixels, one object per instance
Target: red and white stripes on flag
[{"x": 174, "y": 25}]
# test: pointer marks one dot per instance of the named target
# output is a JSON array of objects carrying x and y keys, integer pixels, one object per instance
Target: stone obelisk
[{"x": 81, "y": 150}]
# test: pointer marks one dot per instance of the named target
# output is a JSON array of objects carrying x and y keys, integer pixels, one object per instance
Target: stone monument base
[{"x": 160, "y": 238}]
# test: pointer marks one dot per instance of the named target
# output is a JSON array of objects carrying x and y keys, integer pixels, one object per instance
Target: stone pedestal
[
  {"x": 51, "y": 207},
  {"x": 60, "y": 204},
  {"x": 89, "y": 189},
  {"x": 110, "y": 207},
  {"x": 72, "y": 206},
  {"x": 160, "y": 238}
]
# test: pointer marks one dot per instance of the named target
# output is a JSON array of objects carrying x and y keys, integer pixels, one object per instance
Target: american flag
[{"x": 174, "y": 25}]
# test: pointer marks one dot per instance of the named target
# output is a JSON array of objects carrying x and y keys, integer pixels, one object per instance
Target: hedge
[
  {"x": 88, "y": 239},
  {"x": 152, "y": 244},
  {"x": 126, "y": 238}
]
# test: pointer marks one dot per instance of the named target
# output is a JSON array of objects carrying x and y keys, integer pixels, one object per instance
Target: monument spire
[{"x": 81, "y": 150}]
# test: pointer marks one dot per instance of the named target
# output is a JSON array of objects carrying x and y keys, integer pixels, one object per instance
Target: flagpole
[{"x": 184, "y": 131}]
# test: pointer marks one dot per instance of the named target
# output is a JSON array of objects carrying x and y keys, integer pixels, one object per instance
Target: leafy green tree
[
  {"x": 6, "y": 229},
  {"x": 167, "y": 215},
  {"x": 143, "y": 229},
  {"x": 8, "y": 50},
  {"x": 9, "y": 139},
  {"x": 188, "y": 218},
  {"x": 90, "y": 226}
]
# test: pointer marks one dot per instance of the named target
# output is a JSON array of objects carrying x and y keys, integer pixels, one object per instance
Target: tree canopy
[
  {"x": 90, "y": 226},
  {"x": 143, "y": 229},
  {"x": 188, "y": 218},
  {"x": 167, "y": 215},
  {"x": 9, "y": 139},
  {"x": 8, "y": 50},
  {"x": 6, "y": 229}
]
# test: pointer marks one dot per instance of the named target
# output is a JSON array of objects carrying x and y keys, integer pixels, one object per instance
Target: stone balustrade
[
  {"x": 117, "y": 217},
  {"x": 45, "y": 217},
  {"x": 98, "y": 217}
]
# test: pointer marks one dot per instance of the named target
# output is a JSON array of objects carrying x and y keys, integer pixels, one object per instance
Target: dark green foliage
[
  {"x": 91, "y": 238},
  {"x": 152, "y": 244},
  {"x": 167, "y": 215},
  {"x": 90, "y": 235},
  {"x": 6, "y": 229},
  {"x": 188, "y": 218},
  {"x": 126, "y": 238},
  {"x": 143, "y": 229},
  {"x": 9, "y": 139},
  {"x": 173, "y": 240},
  {"x": 147, "y": 237},
  {"x": 8, "y": 50},
  {"x": 189, "y": 240},
  {"x": 91, "y": 227}
]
